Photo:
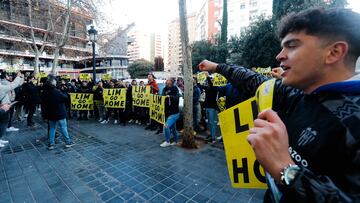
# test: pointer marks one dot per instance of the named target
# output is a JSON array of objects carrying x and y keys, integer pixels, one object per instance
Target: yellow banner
[
  {"x": 201, "y": 78},
  {"x": 221, "y": 102},
  {"x": 235, "y": 123},
  {"x": 82, "y": 101},
  {"x": 10, "y": 69},
  {"x": 264, "y": 95},
  {"x": 264, "y": 71},
  {"x": 41, "y": 75},
  {"x": 141, "y": 96},
  {"x": 114, "y": 98},
  {"x": 65, "y": 77},
  {"x": 106, "y": 77},
  {"x": 84, "y": 76},
  {"x": 157, "y": 108},
  {"x": 219, "y": 80}
]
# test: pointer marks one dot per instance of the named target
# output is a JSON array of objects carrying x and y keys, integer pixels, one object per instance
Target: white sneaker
[
  {"x": 104, "y": 122},
  {"x": 100, "y": 120},
  {"x": 115, "y": 121},
  {"x": 4, "y": 142},
  {"x": 25, "y": 116},
  {"x": 12, "y": 129},
  {"x": 165, "y": 144},
  {"x": 173, "y": 143},
  {"x": 2, "y": 145},
  {"x": 219, "y": 138}
]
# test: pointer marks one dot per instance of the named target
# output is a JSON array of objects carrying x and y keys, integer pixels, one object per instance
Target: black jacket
[
  {"x": 53, "y": 104},
  {"x": 31, "y": 93},
  {"x": 211, "y": 94},
  {"x": 171, "y": 103},
  {"x": 324, "y": 136}
]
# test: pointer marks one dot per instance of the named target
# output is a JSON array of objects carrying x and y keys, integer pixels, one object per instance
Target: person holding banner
[
  {"x": 83, "y": 114},
  {"x": 310, "y": 141},
  {"x": 154, "y": 89},
  {"x": 172, "y": 113},
  {"x": 99, "y": 100}
]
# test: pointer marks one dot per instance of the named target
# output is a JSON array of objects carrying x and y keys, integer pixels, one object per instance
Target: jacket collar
[{"x": 351, "y": 86}]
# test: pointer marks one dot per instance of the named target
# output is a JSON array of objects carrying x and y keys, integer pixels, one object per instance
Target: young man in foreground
[{"x": 310, "y": 141}]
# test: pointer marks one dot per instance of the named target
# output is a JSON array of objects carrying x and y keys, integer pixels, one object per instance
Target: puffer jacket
[
  {"x": 324, "y": 136},
  {"x": 6, "y": 89}
]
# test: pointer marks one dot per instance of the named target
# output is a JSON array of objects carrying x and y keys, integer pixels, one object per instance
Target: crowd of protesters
[{"x": 32, "y": 96}]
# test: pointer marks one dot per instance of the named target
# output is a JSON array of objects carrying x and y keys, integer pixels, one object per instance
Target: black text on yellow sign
[
  {"x": 114, "y": 98},
  {"x": 157, "y": 108},
  {"x": 141, "y": 96},
  {"x": 235, "y": 123},
  {"x": 82, "y": 101},
  {"x": 219, "y": 80}
]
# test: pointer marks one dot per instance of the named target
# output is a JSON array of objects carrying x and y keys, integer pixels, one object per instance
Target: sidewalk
[{"x": 112, "y": 163}]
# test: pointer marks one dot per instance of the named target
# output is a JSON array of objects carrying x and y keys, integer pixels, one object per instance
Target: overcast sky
[{"x": 154, "y": 15}]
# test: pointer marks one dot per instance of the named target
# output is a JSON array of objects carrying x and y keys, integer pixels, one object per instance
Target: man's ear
[{"x": 337, "y": 51}]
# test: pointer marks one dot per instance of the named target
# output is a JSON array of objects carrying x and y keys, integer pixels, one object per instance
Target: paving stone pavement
[{"x": 112, "y": 163}]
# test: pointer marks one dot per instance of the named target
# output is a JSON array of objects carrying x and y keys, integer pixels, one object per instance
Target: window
[{"x": 242, "y": 6}]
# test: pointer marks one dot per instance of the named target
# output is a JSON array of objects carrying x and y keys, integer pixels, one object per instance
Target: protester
[
  {"x": 196, "y": 105},
  {"x": 5, "y": 80},
  {"x": 171, "y": 112},
  {"x": 84, "y": 88},
  {"x": 211, "y": 108},
  {"x": 99, "y": 101},
  {"x": 310, "y": 142},
  {"x": 5, "y": 104},
  {"x": 54, "y": 110},
  {"x": 32, "y": 98},
  {"x": 154, "y": 89}
]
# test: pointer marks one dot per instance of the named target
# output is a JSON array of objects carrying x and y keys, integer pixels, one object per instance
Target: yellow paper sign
[
  {"x": 84, "y": 77},
  {"x": 201, "y": 77},
  {"x": 141, "y": 96},
  {"x": 219, "y": 80},
  {"x": 41, "y": 75},
  {"x": 264, "y": 71},
  {"x": 106, "y": 77},
  {"x": 65, "y": 77},
  {"x": 157, "y": 108},
  {"x": 221, "y": 102},
  {"x": 235, "y": 123},
  {"x": 264, "y": 95},
  {"x": 81, "y": 101},
  {"x": 114, "y": 98}
]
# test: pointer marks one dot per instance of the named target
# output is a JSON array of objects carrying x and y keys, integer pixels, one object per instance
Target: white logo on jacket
[{"x": 308, "y": 135}]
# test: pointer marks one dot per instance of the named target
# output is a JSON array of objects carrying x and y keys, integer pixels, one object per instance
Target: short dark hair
[{"x": 331, "y": 24}]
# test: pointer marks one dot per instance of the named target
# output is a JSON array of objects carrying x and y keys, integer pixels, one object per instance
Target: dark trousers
[
  {"x": 31, "y": 108},
  {"x": 11, "y": 113},
  {"x": 3, "y": 123}
]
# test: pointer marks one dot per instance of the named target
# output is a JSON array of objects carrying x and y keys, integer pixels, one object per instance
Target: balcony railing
[{"x": 40, "y": 42}]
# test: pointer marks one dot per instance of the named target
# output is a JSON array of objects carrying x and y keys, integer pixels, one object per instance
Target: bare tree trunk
[
  {"x": 56, "y": 60},
  {"x": 36, "y": 65},
  {"x": 61, "y": 41},
  {"x": 188, "y": 138}
]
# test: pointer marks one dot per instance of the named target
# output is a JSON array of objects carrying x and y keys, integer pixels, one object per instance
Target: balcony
[
  {"x": 40, "y": 42},
  {"x": 32, "y": 55}
]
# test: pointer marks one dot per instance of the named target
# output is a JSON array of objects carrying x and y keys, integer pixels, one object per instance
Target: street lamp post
[{"x": 93, "y": 35}]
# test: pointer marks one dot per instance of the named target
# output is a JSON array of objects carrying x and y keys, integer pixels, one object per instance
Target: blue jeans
[
  {"x": 171, "y": 127},
  {"x": 63, "y": 130},
  {"x": 211, "y": 115}
]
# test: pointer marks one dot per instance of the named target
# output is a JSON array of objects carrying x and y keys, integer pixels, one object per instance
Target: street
[{"x": 112, "y": 163}]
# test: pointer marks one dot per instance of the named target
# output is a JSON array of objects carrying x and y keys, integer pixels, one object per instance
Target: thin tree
[
  {"x": 37, "y": 51},
  {"x": 188, "y": 138}
]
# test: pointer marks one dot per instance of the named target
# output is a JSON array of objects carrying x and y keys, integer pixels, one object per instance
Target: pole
[{"x": 93, "y": 61}]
